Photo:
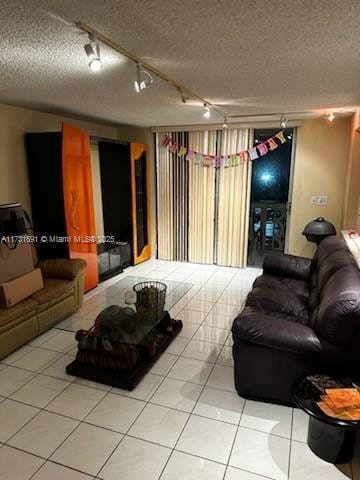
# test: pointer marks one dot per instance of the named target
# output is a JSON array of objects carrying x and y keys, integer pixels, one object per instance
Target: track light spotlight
[
  {"x": 331, "y": 117},
  {"x": 283, "y": 121},
  {"x": 225, "y": 124},
  {"x": 92, "y": 51},
  {"x": 206, "y": 111},
  {"x": 140, "y": 84},
  {"x": 183, "y": 97}
]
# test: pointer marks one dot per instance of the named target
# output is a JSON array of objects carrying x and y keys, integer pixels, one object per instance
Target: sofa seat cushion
[
  {"x": 23, "y": 309},
  {"x": 279, "y": 301},
  {"x": 280, "y": 332},
  {"x": 54, "y": 290},
  {"x": 288, "y": 266},
  {"x": 274, "y": 281}
]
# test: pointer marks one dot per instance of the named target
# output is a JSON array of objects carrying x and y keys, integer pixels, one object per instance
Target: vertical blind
[
  {"x": 203, "y": 212},
  {"x": 201, "y": 200},
  {"x": 233, "y": 202}
]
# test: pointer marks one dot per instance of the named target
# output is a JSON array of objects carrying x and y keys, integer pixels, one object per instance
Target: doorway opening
[{"x": 270, "y": 204}]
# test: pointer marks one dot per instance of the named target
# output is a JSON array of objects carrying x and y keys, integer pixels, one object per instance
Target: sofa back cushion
[
  {"x": 334, "y": 262},
  {"x": 331, "y": 255},
  {"x": 326, "y": 247},
  {"x": 337, "y": 316}
]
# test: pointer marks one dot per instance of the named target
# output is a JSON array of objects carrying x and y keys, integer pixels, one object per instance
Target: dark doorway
[{"x": 269, "y": 205}]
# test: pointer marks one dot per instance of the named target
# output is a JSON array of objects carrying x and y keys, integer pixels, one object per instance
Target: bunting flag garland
[
  {"x": 226, "y": 160},
  {"x": 253, "y": 153},
  {"x": 272, "y": 144}
]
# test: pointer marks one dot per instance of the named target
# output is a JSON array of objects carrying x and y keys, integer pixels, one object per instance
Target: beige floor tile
[
  {"x": 300, "y": 425},
  {"x": 12, "y": 379},
  {"x": 211, "y": 334},
  {"x": 43, "y": 434},
  {"x": 115, "y": 412},
  {"x": 163, "y": 364},
  {"x": 236, "y": 474},
  {"x": 177, "y": 394},
  {"x": 222, "y": 377},
  {"x": 40, "y": 391},
  {"x": 57, "y": 369},
  {"x": 76, "y": 401},
  {"x": 304, "y": 464},
  {"x": 206, "y": 351},
  {"x": 87, "y": 448},
  {"x": 191, "y": 370},
  {"x": 52, "y": 471},
  {"x": 61, "y": 342},
  {"x": 261, "y": 453},
  {"x": 159, "y": 425},
  {"x": 207, "y": 438},
  {"x": 226, "y": 356},
  {"x": 177, "y": 345},
  {"x": 220, "y": 405},
  {"x": 218, "y": 320},
  {"x": 191, "y": 316},
  {"x": 182, "y": 466},
  {"x": 17, "y": 465},
  {"x": 13, "y": 357},
  {"x": 143, "y": 390},
  {"x": 13, "y": 416},
  {"x": 37, "y": 360},
  {"x": 267, "y": 417},
  {"x": 135, "y": 459}
]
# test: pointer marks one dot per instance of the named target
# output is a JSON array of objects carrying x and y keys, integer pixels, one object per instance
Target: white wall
[
  {"x": 14, "y": 123},
  {"x": 320, "y": 169}
]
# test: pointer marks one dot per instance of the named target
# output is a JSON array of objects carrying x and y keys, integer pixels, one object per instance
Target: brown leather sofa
[
  {"x": 302, "y": 316},
  {"x": 61, "y": 296}
]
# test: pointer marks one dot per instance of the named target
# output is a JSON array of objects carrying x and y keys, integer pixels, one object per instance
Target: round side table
[{"x": 331, "y": 439}]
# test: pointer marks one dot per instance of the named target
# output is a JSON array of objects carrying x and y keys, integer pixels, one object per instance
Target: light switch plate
[
  {"x": 319, "y": 200},
  {"x": 322, "y": 200},
  {"x": 314, "y": 200}
]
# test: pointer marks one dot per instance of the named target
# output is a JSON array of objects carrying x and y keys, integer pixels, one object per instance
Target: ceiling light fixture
[
  {"x": 283, "y": 121},
  {"x": 140, "y": 84},
  {"x": 150, "y": 71},
  {"x": 331, "y": 117},
  {"x": 92, "y": 50},
  {"x": 183, "y": 97},
  {"x": 206, "y": 111}
]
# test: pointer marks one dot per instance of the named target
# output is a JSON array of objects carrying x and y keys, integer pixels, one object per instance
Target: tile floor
[{"x": 184, "y": 420}]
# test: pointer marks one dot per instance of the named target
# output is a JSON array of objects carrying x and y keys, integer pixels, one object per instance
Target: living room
[{"x": 180, "y": 240}]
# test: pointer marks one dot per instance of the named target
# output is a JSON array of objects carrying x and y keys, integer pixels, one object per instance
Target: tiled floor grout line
[
  {"x": 41, "y": 371},
  {"x": 187, "y": 421},
  {"x": 79, "y": 424},
  {"x": 148, "y": 401},
  {"x": 233, "y": 443},
  {"x": 57, "y": 463}
]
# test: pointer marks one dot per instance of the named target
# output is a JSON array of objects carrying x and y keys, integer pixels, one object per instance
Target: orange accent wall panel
[
  {"x": 78, "y": 200},
  {"x": 140, "y": 186}
]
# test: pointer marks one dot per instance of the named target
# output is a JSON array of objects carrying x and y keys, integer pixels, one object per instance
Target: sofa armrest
[
  {"x": 67, "y": 269},
  {"x": 276, "y": 332},
  {"x": 284, "y": 265}
]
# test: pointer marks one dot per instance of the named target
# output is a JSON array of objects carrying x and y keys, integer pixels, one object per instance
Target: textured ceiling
[{"x": 249, "y": 56}]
